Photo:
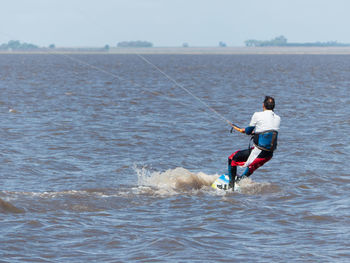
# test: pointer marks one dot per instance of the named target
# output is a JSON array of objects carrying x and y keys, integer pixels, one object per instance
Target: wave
[
  {"x": 6, "y": 207},
  {"x": 178, "y": 181}
]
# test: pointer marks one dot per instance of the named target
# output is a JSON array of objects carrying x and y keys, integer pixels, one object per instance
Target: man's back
[{"x": 265, "y": 120}]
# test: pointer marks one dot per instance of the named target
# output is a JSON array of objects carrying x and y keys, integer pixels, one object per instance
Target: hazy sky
[{"x": 172, "y": 22}]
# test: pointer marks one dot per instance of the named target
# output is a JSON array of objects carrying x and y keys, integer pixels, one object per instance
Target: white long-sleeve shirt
[{"x": 265, "y": 120}]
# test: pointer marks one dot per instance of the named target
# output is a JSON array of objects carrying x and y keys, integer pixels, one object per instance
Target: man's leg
[
  {"x": 255, "y": 160},
  {"x": 236, "y": 159}
]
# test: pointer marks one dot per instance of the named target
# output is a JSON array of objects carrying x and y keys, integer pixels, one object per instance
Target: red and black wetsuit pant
[{"x": 239, "y": 158}]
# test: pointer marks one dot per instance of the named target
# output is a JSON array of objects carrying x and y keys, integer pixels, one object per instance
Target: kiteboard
[{"x": 222, "y": 183}]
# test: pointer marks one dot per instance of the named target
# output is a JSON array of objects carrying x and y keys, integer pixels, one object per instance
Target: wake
[
  {"x": 173, "y": 181},
  {"x": 182, "y": 181}
]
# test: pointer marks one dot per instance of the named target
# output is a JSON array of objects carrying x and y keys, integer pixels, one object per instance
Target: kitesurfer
[{"x": 263, "y": 128}]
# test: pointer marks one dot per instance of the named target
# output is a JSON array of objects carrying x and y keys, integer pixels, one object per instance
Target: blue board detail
[{"x": 222, "y": 183}]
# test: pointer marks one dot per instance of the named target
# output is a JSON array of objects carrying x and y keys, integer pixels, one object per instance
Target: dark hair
[{"x": 269, "y": 103}]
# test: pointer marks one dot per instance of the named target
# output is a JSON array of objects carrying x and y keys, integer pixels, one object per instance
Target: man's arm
[{"x": 248, "y": 130}]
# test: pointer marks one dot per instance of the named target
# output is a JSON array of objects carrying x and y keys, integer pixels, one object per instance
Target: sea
[{"x": 111, "y": 157}]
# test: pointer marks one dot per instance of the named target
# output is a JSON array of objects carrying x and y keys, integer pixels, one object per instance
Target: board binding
[{"x": 222, "y": 183}]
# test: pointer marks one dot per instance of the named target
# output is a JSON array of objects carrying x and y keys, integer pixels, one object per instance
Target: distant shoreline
[{"x": 196, "y": 51}]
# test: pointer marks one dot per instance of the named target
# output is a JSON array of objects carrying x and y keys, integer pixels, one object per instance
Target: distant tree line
[
  {"x": 17, "y": 45},
  {"x": 135, "y": 44},
  {"x": 281, "y": 41}
]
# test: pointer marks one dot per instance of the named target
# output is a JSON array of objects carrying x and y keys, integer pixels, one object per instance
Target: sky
[{"x": 200, "y": 23}]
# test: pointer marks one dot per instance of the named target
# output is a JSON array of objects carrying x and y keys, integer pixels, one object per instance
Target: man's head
[{"x": 269, "y": 103}]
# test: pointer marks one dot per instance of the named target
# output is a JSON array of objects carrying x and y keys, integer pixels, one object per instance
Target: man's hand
[{"x": 242, "y": 130}]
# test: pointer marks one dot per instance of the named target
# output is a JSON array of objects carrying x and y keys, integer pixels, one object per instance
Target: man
[{"x": 263, "y": 127}]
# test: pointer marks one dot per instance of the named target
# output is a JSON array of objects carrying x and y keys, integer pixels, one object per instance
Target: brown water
[{"x": 117, "y": 167}]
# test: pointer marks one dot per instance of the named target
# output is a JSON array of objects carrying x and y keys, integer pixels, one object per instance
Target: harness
[{"x": 266, "y": 141}]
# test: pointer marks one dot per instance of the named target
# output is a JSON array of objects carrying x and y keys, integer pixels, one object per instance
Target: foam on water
[
  {"x": 173, "y": 181},
  {"x": 181, "y": 180},
  {"x": 250, "y": 187}
]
